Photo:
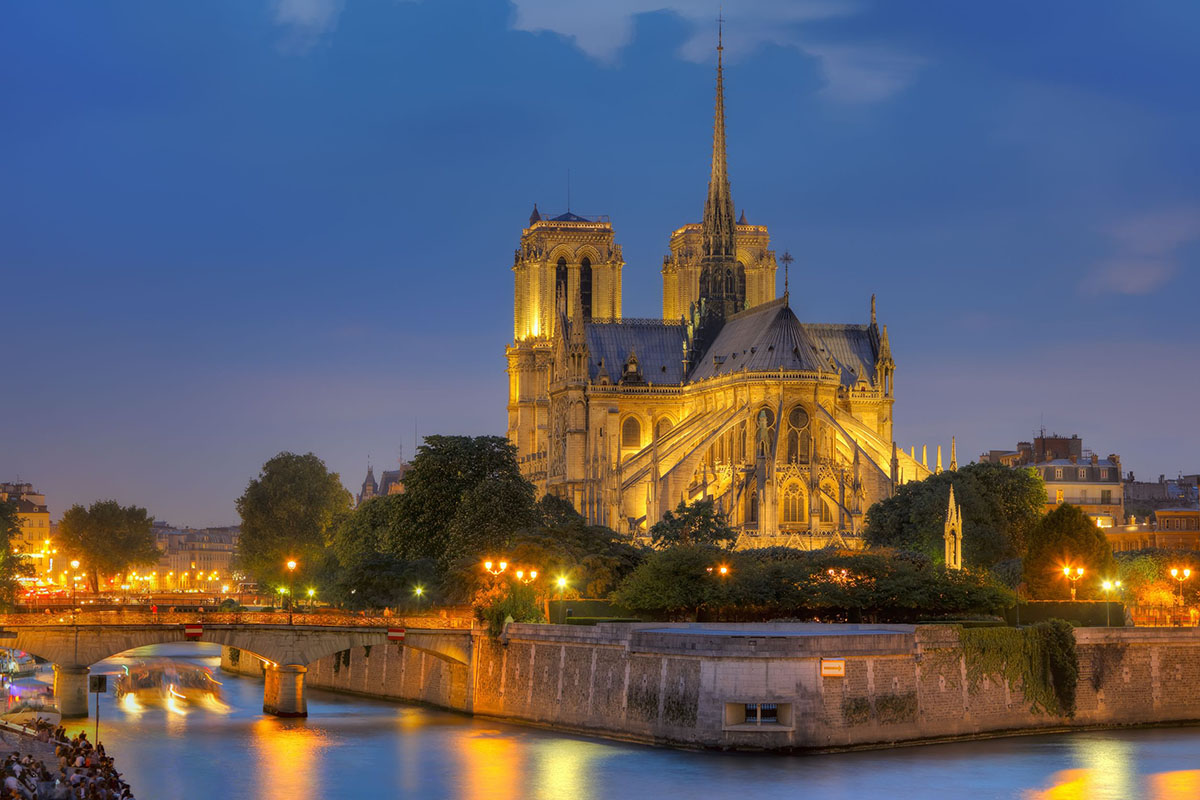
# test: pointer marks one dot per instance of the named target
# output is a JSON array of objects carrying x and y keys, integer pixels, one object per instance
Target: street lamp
[
  {"x": 1180, "y": 575},
  {"x": 1108, "y": 586},
  {"x": 495, "y": 568},
  {"x": 74, "y": 579},
  {"x": 418, "y": 591},
  {"x": 291, "y": 565},
  {"x": 526, "y": 577},
  {"x": 311, "y": 592},
  {"x": 1073, "y": 575}
]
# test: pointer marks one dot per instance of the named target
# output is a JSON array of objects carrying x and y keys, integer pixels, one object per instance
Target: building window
[
  {"x": 1083, "y": 473},
  {"x": 793, "y": 503},
  {"x": 560, "y": 279},
  {"x": 664, "y": 427},
  {"x": 1106, "y": 496},
  {"x": 1104, "y": 474},
  {"x": 1058, "y": 473},
  {"x": 585, "y": 287},
  {"x": 631, "y": 433},
  {"x": 758, "y": 714}
]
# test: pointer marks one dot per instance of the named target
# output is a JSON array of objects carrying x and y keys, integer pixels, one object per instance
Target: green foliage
[
  {"x": 445, "y": 511},
  {"x": 1041, "y": 660},
  {"x": 289, "y": 512},
  {"x": 1067, "y": 537},
  {"x": 856, "y": 710},
  {"x": 368, "y": 529},
  {"x": 824, "y": 584},
  {"x": 1000, "y": 508},
  {"x": 698, "y": 523},
  {"x": 518, "y": 603},
  {"x": 1146, "y": 580},
  {"x": 12, "y": 566},
  {"x": 380, "y": 580},
  {"x": 107, "y": 538},
  {"x": 894, "y": 708}
]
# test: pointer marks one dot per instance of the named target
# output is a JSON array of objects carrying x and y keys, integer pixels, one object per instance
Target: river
[{"x": 350, "y": 747}]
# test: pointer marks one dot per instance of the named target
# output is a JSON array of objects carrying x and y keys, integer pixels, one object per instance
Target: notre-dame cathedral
[{"x": 787, "y": 425}]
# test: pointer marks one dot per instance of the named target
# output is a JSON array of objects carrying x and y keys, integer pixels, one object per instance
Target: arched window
[
  {"x": 560, "y": 279},
  {"x": 730, "y": 284},
  {"x": 797, "y": 437},
  {"x": 664, "y": 426},
  {"x": 752, "y": 508},
  {"x": 793, "y": 503},
  {"x": 741, "y": 281},
  {"x": 826, "y": 510},
  {"x": 585, "y": 287},
  {"x": 631, "y": 433}
]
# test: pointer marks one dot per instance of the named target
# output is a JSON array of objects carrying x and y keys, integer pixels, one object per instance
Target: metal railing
[{"x": 317, "y": 619}]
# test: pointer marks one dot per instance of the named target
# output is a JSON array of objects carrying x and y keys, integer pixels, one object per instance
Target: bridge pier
[
  {"x": 283, "y": 693},
  {"x": 71, "y": 690}
]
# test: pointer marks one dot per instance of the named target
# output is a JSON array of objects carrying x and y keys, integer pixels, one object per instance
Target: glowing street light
[
  {"x": 291, "y": 565},
  {"x": 1108, "y": 586},
  {"x": 495, "y": 568},
  {"x": 526, "y": 577},
  {"x": 1073, "y": 575},
  {"x": 1180, "y": 575}
]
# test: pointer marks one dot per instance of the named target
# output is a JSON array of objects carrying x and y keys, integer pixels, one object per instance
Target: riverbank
[
  {"x": 775, "y": 687},
  {"x": 46, "y": 763}
]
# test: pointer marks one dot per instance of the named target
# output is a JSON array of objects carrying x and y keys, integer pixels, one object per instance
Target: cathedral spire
[{"x": 718, "y": 227}]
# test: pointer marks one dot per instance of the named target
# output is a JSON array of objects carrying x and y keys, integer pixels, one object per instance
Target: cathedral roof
[
  {"x": 852, "y": 347},
  {"x": 763, "y": 338},
  {"x": 569, "y": 217},
  {"x": 658, "y": 344}
]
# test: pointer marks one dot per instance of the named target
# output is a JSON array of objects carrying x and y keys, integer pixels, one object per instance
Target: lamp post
[
  {"x": 291, "y": 565},
  {"x": 1073, "y": 575},
  {"x": 526, "y": 577},
  {"x": 74, "y": 580},
  {"x": 495, "y": 567},
  {"x": 1108, "y": 586},
  {"x": 311, "y": 594},
  {"x": 561, "y": 583},
  {"x": 1180, "y": 575}
]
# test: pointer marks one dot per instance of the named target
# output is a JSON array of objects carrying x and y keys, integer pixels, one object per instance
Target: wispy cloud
[
  {"x": 854, "y": 72},
  {"x": 306, "y": 22},
  {"x": 1146, "y": 252}
]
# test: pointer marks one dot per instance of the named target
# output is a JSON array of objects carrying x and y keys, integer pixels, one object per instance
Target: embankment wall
[{"x": 690, "y": 685}]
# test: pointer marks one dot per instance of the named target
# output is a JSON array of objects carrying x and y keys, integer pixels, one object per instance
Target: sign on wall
[{"x": 833, "y": 667}]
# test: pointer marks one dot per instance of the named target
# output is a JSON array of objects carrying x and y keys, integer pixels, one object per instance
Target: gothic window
[
  {"x": 585, "y": 287},
  {"x": 664, "y": 426},
  {"x": 793, "y": 503},
  {"x": 560, "y": 279},
  {"x": 631, "y": 433},
  {"x": 752, "y": 508},
  {"x": 704, "y": 282},
  {"x": 730, "y": 286},
  {"x": 741, "y": 281},
  {"x": 826, "y": 511},
  {"x": 797, "y": 437}
]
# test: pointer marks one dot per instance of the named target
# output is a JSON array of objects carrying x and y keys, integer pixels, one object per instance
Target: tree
[
  {"x": 696, "y": 524},
  {"x": 12, "y": 566},
  {"x": 107, "y": 538},
  {"x": 1000, "y": 505},
  {"x": 380, "y": 580},
  {"x": 1067, "y": 537},
  {"x": 1146, "y": 580},
  {"x": 439, "y": 483},
  {"x": 488, "y": 515},
  {"x": 367, "y": 530},
  {"x": 676, "y": 583},
  {"x": 289, "y": 512}
]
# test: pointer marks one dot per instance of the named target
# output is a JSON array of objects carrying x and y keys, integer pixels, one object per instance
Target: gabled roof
[
  {"x": 853, "y": 347},
  {"x": 658, "y": 345},
  {"x": 764, "y": 338}
]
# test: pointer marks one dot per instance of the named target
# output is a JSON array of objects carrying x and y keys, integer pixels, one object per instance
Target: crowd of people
[{"x": 82, "y": 771}]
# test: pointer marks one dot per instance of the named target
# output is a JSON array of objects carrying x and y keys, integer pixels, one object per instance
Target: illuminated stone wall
[{"x": 678, "y": 684}]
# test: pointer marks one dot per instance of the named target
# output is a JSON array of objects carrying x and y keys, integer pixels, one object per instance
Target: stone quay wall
[{"x": 690, "y": 685}]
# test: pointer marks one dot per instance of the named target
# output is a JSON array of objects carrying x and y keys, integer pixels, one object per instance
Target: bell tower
[{"x": 569, "y": 264}]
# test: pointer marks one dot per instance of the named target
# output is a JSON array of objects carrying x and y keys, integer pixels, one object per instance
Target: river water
[{"x": 350, "y": 747}]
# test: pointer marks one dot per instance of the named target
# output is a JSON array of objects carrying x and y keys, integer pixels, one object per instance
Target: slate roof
[
  {"x": 657, "y": 344},
  {"x": 769, "y": 336}
]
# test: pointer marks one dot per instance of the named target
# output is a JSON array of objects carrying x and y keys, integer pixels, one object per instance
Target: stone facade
[
  {"x": 692, "y": 685},
  {"x": 786, "y": 425}
]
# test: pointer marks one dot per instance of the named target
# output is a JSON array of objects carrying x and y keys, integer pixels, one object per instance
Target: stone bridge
[{"x": 285, "y": 650}]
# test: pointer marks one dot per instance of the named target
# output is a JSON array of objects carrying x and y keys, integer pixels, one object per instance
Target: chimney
[
  {"x": 1074, "y": 459},
  {"x": 1095, "y": 459}
]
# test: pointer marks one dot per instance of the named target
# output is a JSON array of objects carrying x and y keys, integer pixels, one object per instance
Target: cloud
[
  {"x": 853, "y": 73},
  {"x": 1146, "y": 252},
  {"x": 306, "y": 21}
]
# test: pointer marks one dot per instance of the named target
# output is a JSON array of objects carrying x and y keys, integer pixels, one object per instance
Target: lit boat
[
  {"x": 30, "y": 700},
  {"x": 167, "y": 684}
]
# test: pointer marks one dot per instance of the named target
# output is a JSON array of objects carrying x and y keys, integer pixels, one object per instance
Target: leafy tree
[
  {"x": 289, "y": 512},
  {"x": 439, "y": 484},
  {"x": 107, "y": 538},
  {"x": 1146, "y": 580},
  {"x": 367, "y": 530},
  {"x": 12, "y": 566},
  {"x": 380, "y": 580},
  {"x": 488, "y": 515},
  {"x": 516, "y": 602},
  {"x": 698, "y": 523},
  {"x": 1067, "y": 537},
  {"x": 676, "y": 583},
  {"x": 1000, "y": 505}
]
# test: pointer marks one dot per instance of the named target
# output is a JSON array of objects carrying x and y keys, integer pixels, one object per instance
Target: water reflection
[
  {"x": 287, "y": 754},
  {"x": 491, "y": 767},
  {"x": 566, "y": 768},
  {"x": 1181, "y": 785}
]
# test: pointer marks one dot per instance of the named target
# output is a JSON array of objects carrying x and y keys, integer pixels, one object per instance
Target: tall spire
[{"x": 718, "y": 229}]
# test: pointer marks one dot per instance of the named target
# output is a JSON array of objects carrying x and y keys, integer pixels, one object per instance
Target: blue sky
[{"x": 233, "y": 228}]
